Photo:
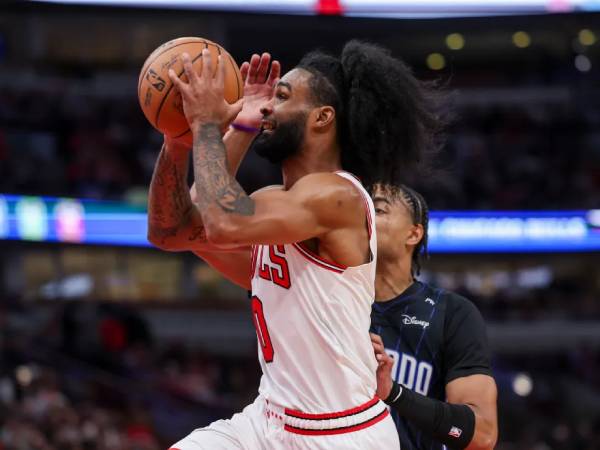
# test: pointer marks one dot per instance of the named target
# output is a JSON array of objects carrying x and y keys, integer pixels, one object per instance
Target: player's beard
[{"x": 285, "y": 140}]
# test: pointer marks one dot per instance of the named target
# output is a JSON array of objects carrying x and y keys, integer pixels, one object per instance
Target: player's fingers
[
  {"x": 244, "y": 68},
  {"x": 254, "y": 63},
  {"x": 378, "y": 349},
  {"x": 376, "y": 339},
  {"x": 220, "y": 76},
  {"x": 179, "y": 84},
  {"x": 188, "y": 69},
  {"x": 275, "y": 73},
  {"x": 263, "y": 67},
  {"x": 207, "y": 69}
]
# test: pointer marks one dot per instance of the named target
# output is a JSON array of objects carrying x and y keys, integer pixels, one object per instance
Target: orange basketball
[{"x": 161, "y": 103}]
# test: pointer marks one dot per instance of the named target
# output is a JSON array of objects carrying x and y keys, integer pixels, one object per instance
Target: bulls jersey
[
  {"x": 434, "y": 337},
  {"x": 312, "y": 319}
]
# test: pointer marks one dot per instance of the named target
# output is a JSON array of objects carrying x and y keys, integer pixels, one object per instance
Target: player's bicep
[
  {"x": 476, "y": 390},
  {"x": 235, "y": 266},
  {"x": 310, "y": 209}
]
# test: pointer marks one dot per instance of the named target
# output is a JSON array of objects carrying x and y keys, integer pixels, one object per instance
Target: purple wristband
[{"x": 244, "y": 128}]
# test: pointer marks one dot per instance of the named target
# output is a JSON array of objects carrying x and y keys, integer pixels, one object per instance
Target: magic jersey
[{"x": 312, "y": 318}]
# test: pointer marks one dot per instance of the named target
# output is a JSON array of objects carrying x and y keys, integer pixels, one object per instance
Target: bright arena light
[
  {"x": 586, "y": 37},
  {"x": 521, "y": 39},
  {"x": 436, "y": 61},
  {"x": 24, "y": 375},
  {"x": 455, "y": 41},
  {"x": 522, "y": 384},
  {"x": 583, "y": 63}
]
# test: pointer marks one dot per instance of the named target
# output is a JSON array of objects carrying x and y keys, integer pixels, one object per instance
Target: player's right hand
[
  {"x": 259, "y": 85},
  {"x": 385, "y": 363}
]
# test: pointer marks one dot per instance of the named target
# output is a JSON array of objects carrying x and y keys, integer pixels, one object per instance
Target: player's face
[
  {"x": 396, "y": 232},
  {"x": 284, "y": 118}
]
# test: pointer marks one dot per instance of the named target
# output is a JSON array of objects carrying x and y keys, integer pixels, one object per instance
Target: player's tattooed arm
[
  {"x": 214, "y": 184},
  {"x": 169, "y": 204}
]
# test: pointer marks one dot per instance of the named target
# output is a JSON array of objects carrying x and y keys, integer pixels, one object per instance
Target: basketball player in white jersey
[{"x": 307, "y": 249}]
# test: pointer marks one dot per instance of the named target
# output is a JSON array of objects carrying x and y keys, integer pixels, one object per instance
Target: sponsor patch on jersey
[
  {"x": 455, "y": 432},
  {"x": 412, "y": 320}
]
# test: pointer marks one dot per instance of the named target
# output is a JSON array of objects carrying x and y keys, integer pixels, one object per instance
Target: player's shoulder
[
  {"x": 457, "y": 301},
  {"x": 459, "y": 308},
  {"x": 325, "y": 187},
  {"x": 271, "y": 187}
]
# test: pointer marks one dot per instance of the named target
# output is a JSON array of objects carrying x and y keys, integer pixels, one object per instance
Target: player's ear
[
  {"x": 415, "y": 234},
  {"x": 324, "y": 117}
]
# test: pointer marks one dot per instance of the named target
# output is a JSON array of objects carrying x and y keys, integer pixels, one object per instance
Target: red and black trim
[
  {"x": 319, "y": 261},
  {"x": 341, "y": 430},
  {"x": 336, "y": 415},
  {"x": 253, "y": 266}
]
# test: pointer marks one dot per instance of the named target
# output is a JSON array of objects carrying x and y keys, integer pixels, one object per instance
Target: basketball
[{"x": 161, "y": 102}]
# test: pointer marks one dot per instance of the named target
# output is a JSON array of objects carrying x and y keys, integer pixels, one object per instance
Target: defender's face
[
  {"x": 395, "y": 228},
  {"x": 284, "y": 117}
]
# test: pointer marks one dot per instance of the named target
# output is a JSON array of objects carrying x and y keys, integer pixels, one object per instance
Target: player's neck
[
  {"x": 392, "y": 279},
  {"x": 306, "y": 162}
]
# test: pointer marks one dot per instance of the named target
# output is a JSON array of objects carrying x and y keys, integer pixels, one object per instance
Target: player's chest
[{"x": 413, "y": 329}]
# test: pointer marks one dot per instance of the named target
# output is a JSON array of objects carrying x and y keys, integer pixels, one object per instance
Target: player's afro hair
[{"x": 387, "y": 119}]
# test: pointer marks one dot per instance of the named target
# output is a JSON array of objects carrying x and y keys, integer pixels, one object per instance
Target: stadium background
[{"x": 125, "y": 347}]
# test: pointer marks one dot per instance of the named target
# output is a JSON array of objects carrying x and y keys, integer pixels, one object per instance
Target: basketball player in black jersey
[{"x": 434, "y": 369}]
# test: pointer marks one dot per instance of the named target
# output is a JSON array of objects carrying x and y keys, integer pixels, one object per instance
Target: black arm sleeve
[
  {"x": 452, "y": 425},
  {"x": 466, "y": 350}
]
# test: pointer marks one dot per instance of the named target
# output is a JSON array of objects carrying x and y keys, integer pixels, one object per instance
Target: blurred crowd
[
  {"x": 64, "y": 143},
  {"x": 89, "y": 377}
]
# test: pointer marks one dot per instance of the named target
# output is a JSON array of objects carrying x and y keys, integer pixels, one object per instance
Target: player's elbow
[
  {"x": 222, "y": 232},
  {"x": 484, "y": 440},
  {"x": 160, "y": 239}
]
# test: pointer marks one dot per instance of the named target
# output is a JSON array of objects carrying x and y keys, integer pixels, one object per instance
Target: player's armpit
[
  {"x": 479, "y": 392},
  {"x": 315, "y": 205},
  {"x": 235, "y": 266}
]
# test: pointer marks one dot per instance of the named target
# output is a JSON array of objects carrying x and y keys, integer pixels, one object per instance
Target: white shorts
[{"x": 264, "y": 426}]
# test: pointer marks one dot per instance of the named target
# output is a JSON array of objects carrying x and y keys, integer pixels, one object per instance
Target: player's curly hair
[
  {"x": 387, "y": 120},
  {"x": 419, "y": 213}
]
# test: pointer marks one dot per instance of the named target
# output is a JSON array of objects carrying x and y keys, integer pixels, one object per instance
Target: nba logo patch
[{"x": 455, "y": 432}]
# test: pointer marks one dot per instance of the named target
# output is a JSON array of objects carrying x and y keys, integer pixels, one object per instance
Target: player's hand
[
  {"x": 259, "y": 85},
  {"x": 384, "y": 367},
  {"x": 203, "y": 98}
]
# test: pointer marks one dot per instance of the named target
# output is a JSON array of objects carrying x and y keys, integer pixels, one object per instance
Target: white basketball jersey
[{"x": 312, "y": 318}]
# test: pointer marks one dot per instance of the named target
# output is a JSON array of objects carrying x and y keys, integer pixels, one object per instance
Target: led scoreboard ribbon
[
  {"x": 45, "y": 219},
  {"x": 364, "y": 8}
]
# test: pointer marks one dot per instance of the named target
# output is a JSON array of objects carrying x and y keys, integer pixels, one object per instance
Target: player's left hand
[
  {"x": 259, "y": 85},
  {"x": 203, "y": 100},
  {"x": 384, "y": 367}
]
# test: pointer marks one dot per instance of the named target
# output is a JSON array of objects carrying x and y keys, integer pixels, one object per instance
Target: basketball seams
[
  {"x": 162, "y": 102},
  {"x": 156, "y": 63},
  {"x": 237, "y": 79},
  {"x": 153, "y": 57}
]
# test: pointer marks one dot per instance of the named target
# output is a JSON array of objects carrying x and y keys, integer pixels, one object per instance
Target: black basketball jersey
[{"x": 434, "y": 336}]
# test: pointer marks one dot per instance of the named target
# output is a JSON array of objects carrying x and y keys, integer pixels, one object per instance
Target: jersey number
[{"x": 261, "y": 329}]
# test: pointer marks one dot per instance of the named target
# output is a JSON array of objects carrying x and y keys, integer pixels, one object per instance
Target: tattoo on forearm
[
  {"x": 213, "y": 181},
  {"x": 198, "y": 234},
  {"x": 169, "y": 201}
]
